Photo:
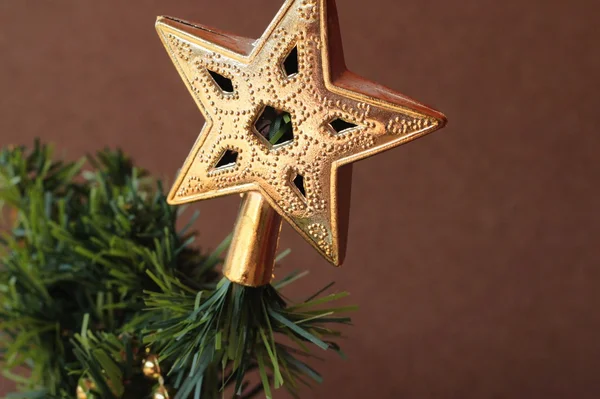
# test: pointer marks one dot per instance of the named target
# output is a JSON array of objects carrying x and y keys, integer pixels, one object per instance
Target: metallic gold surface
[
  {"x": 161, "y": 393},
  {"x": 81, "y": 394},
  {"x": 151, "y": 368},
  {"x": 319, "y": 93},
  {"x": 251, "y": 257},
  {"x": 84, "y": 389}
]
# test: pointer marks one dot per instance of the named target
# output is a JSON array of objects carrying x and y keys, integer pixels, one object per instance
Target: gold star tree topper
[{"x": 295, "y": 69}]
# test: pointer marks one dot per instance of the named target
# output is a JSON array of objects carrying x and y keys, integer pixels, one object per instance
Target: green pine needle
[
  {"x": 238, "y": 326},
  {"x": 95, "y": 272},
  {"x": 279, "y": 127}
]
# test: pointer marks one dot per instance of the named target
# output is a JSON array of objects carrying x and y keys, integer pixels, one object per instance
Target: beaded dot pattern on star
[{"x": 335, "y": 120}]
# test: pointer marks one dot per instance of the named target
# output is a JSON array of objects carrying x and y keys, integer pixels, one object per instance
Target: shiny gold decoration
[
  {"x": 337, "y": 117},
  {"x": 161, "y": 393},
  {"x": 151, "y": 368},
  {"x": 84, "y": 388},
  {"x": 257, "y": 236},
  {"x": 81, "y": 394}
]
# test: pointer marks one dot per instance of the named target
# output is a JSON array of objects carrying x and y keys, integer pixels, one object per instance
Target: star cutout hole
[
  {"x": 228, "y": 159},
  {"x": 225, "y": 84},
  {"x": 290, "y": 64},
  {"x": 341, "y": 126},
  {"x": 298, "y": 182},
  {"x": 275, "y": 127}
]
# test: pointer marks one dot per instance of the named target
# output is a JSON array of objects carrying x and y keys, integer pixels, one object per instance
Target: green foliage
[
  {"x": 282, "y": 124},
  {"x": 112, "y": 363},
  {"x": 234, "y": 328},
  {"x": 94, "y": 272}
]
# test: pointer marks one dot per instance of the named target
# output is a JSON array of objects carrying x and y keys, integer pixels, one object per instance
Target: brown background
[{"x": 473, "y": 252}]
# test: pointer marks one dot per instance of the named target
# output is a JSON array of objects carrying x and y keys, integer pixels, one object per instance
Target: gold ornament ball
[
  {"x": 161, "y": 393},
  {"x": 84, "y": 388},
  {"x": 151, "y": 368}
]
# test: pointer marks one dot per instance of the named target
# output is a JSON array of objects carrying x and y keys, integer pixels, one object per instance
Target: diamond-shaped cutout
[
  {"x": 341, "y": 126},
  {"x": 275, "y": 126},
  {"x": 225, "y": 84},
  {"x": 298, "y": 181},
  {"x": 290, "y": 64},
  {"x": 228, "y": 159}
]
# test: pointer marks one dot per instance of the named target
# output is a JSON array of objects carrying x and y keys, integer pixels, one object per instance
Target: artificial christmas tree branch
[{"x": 96, "y": 278}]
